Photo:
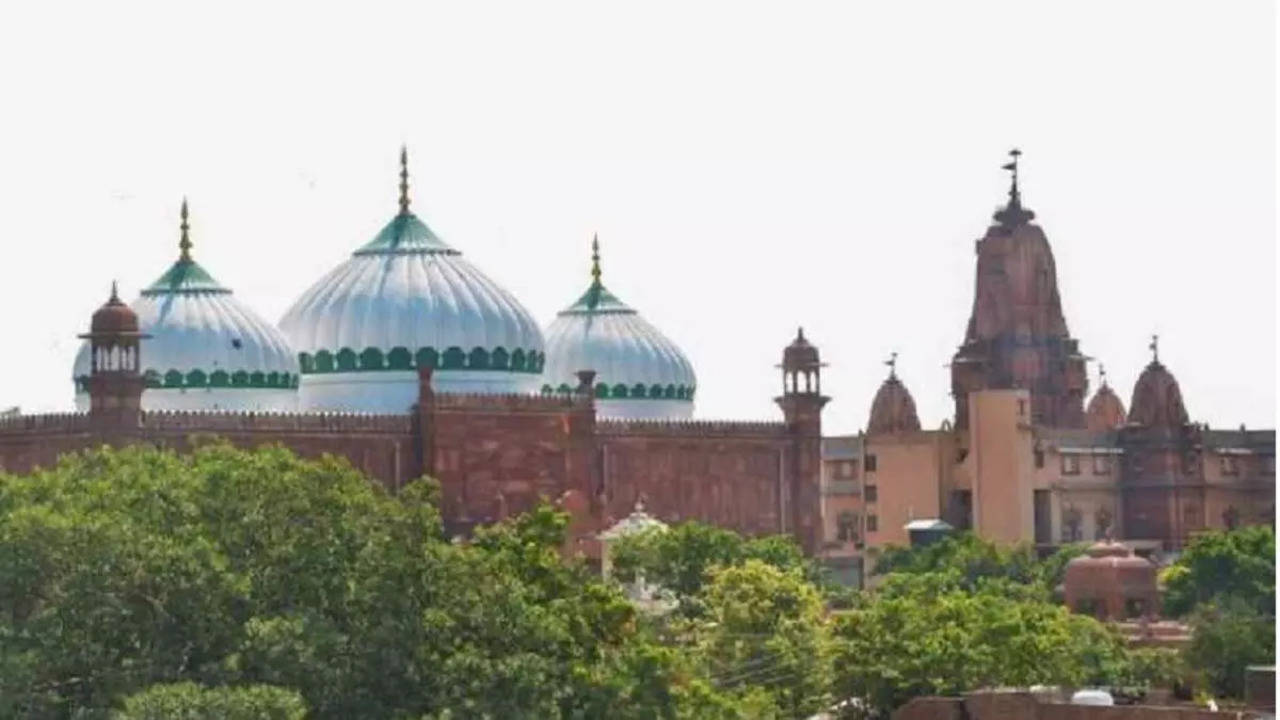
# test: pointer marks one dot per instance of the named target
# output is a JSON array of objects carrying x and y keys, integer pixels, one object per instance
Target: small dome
[
  {"x": 893, "y": 410},
  {"x": 113, "y": 317},
  {"x": 206, "y": 350},
  {"x": 1105, "y": 411},
  {"x": 1157, "y": 401},
  {"x": 404, "y": 300},
  {"x": 800, "y": 354},
  {"x": 640, "y": 373}
]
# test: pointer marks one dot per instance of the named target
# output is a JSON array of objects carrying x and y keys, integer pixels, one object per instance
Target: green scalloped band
[
  {"x": 399, "y": 358},
  {"x": 238, "y": 380},
  {"x": 639, "y": 391}
]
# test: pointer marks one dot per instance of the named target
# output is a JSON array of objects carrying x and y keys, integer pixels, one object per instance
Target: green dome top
[
  {"x": 406, "y": 234},
  {"x": 185, "y": 275},
  {"x": 597, "y": 299}
]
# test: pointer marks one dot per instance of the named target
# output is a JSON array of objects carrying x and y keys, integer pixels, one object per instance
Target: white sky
[{"x": 748, "y": 168}]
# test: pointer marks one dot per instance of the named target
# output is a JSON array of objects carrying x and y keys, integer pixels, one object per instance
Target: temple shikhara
[{"x": 408, "y": 360}]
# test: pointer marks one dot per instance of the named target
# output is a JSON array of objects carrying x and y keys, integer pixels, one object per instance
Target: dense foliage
[
  {"x": 139, "y": 584},
  {"x": 1240, "y": 564}
]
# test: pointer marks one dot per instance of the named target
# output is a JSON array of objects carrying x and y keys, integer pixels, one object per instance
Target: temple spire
[
  {"x": 184, "y": 244},
  {"x": 892, "y": 362},
  {"x": 1154, "y": 347},
  {"x": 404, "y": 180},
  {"x": 115, "y": 296}
]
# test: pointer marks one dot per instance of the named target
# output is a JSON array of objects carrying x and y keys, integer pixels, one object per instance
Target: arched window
[
  {"x": 517, "y": 360},
  {"x": 172, "y": 379},
  {"x": 371, "y": 359},
  {"x": 478, "y": 359},
  {"x": 197, "y": 378},
  {"x": 324, "y": 361},
  {"x": 454, "y": 359},
  {"x": 427, "y": 357},
  {"x": 346, "y": 359},
  {"x": 499, "y": 359},
  {"x": 399, "y": 359}
]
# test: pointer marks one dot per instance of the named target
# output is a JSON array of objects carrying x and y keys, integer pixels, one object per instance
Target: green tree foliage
[
  {"x": 765, "y": 632},
  {"x": 928, "y": 634},
  {"x": 188, "y": 701},
  {"x": 972, "y": 560},
  {"x": 1228, "y": 635},
  {"x": 125, "y": 569},
  {"x": 1239, "y": 564},
  {"x": 680, "y": 558}
]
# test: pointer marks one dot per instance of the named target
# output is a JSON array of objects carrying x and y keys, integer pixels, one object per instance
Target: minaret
[
  {"x": 115, "y": 378},
  {"x": 802, "y": 402},
  {"x": 1017, "y": 336}
]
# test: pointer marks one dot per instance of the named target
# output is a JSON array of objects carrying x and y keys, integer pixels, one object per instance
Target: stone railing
[
  {"x": 691, "y": 428},
  {"x": 324, "y": 422},
  {"x": 509, "y": 402},
  {"x": 49, "y": 423}
]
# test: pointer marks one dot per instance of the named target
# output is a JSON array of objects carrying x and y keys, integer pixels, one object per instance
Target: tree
[
  {"x": 188, "y": 701},
  {"x": 124, "y": 570},
  {"x": 765, "y": 631},
  {"x": 680, "y": 558},
  {"x": 929, "y": 634},
  {"x": 1239, "y": 564},
  {"x": 1228, "y": 635}
]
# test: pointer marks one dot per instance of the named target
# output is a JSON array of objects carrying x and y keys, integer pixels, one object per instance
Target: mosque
[{"x": 408, "y": 360}]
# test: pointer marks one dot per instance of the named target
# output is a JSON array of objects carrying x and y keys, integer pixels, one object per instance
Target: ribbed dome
[
  {"x": 639, "y": 372},
  {"x": 893, "y": 410},
  {"x": 1105, "y": 411},
  {"x": 207, "y": 350},
  {"x": 1157, "y": 401},
  {"x": 113, "y": 317},
  {"x": 404, "y": 300}
]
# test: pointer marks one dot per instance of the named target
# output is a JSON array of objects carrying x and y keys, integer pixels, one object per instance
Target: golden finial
[
  {"x": 595, "y": 259},
  {"x": 404, "y": 180},
  {"x": 184, "y": 244}
]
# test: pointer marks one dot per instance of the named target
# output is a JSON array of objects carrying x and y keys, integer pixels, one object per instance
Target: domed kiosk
[
  {"x": 206, "y": 350},
  {"x": 640, "y": 374},
  {"x": 893, "y": 410},
  {"x": 1111, "y": 583},
  {"x": 407, "y": 300},
  {"x": 1105, "y": 411}
]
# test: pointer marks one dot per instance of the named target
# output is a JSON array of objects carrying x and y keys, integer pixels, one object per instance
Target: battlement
[
  {"x": 509, "y": 402},
  {"x": 690, "y": 428},
  {"x": 47, "y": 423},
  {"x": 326, "y": 422}
]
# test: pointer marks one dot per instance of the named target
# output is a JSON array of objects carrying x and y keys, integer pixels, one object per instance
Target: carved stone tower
[
  {"x": 1017, "y": 336},
  {"x": 115, "y": 380},
  {"x": 801, "y": 402}
]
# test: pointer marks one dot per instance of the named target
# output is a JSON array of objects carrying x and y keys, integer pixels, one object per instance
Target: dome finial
[
  {"x": 800, "y": 333},
  {"x": 1013, "y": 214},
  {"x": 1015, "y": 199},
  {"x": 115, "y": 296},
  {"x": 1154, "y": 347},
  {"x": 184, "y": 245},
  {"x": 595, "y": 258},
  {"x": 1102, "y": 374},
  {"x": 892, "y": 362},
  {"x": 404, "y": 180}
]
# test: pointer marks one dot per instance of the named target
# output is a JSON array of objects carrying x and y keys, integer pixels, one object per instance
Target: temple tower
[
  {"x": 115, "y": 380},
  {"x": 802, "y": 402},
  {"x": 1017, "y": 336}
]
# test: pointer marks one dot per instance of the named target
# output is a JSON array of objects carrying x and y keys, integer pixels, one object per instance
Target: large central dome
[{"x": 407, "y": 300}]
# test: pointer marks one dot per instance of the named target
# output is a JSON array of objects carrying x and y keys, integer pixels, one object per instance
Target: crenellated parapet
[
  {"x": 509, "y": 402},
  {"x": 690, "y": 428},
  {"x": 54, "y": 423},
  {"x": 316, "y": 422}
]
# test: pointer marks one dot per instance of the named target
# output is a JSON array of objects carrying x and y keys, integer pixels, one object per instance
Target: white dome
[
  {"x": 403, "y": 300},
  {"x": 207, "y": 350},
  {"x": 640, "y": 374}
]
